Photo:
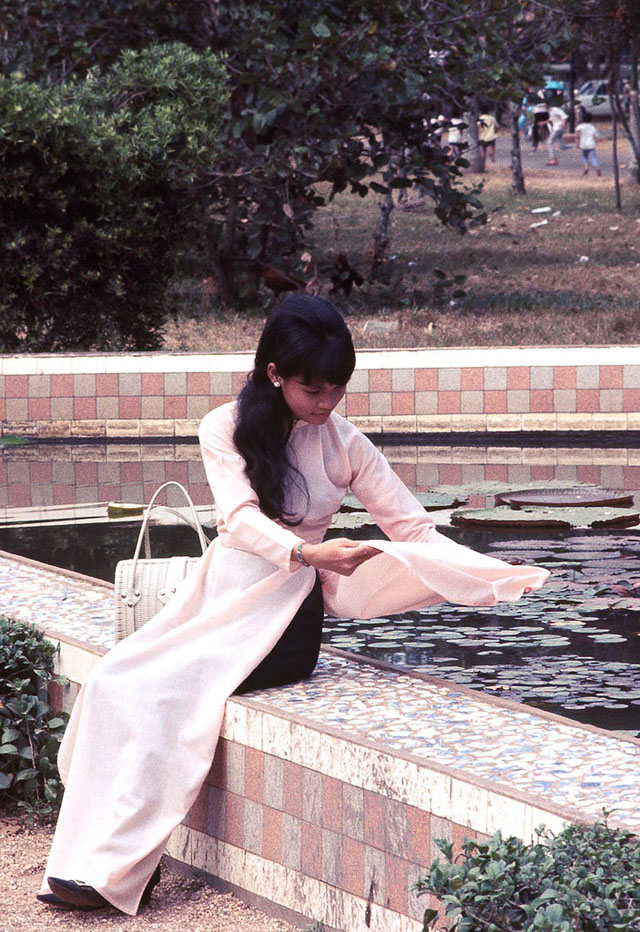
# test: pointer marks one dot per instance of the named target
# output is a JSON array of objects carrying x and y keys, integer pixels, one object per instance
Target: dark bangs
[
  {"x": 333, "y": 364},
  {"x": 306, "y": 337}
]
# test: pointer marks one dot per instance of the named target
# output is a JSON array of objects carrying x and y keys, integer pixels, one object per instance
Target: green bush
[
  {"x": 30, "y": 731},
  {"x": 585, "y": 879},
  {"x": 98, "y": 190}
]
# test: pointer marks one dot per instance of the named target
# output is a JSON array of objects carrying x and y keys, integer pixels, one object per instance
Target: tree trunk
[
  {"x": 634, "y": 133},
  {"x": 517, "y": 174},
  {"x": 221, "y": 253},
  {"x": 473, "y": 152},
  {"x": 572, "y": 88},
  {"x": 381, "y": 237},
  {"x": 616, "y": 170},
  {"x": 222, "y": 269}
]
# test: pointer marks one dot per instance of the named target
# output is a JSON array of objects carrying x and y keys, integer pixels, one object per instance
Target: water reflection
[{"x": 44, "y": 475}]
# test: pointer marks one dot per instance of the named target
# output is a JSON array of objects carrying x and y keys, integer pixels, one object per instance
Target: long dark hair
[{"x": 304, "y": 336}]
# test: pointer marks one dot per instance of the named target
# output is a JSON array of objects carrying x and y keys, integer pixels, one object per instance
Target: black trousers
[{"x": 295, "y": 655}]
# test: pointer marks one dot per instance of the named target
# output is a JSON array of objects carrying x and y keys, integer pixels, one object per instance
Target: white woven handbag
[{"x": 142, "y": 587}]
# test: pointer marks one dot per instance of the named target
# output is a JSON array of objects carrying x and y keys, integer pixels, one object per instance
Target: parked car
[{"x": 594, "y": 97}]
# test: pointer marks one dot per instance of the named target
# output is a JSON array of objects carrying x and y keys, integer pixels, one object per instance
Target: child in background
[{"x": 586, "y": 135}]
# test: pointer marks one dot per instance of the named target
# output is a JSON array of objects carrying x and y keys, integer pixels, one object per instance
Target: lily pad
[
  {"x": 596, "y": 556},
  {"x": 562, "y": 498},
  {"x": 124, "y": 510},
  {"x": 351, "y": 503},
  {"x": 529, "y": 543},
  {"x": 527, "y": 556},
  {"x": 494, "y": 487},
  {"x": 353, "y": 520},
  {"x": 504, "y": 516},
  {"x": 10, "y": 440},
  {"x": 431, "y": 501}
]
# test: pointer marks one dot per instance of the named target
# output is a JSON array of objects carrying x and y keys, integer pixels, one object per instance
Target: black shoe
[
  {"x": 50, "y": 899},
  {"x": 148, "y": 890},
  {"x": 71, "y": 894},
  {"x": 76, "y": 895}
]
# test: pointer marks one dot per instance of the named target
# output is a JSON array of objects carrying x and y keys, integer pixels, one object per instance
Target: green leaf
[
  {"x": 56, "y": 723},
  {"x": 9, "y": 735},
  {"x": 26, "y": 775},
  {"x": 321, "y": 30},
  {"x": 430, "y": 915}
]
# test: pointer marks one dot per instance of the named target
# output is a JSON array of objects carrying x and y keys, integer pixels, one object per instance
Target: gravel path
[{"x": 176, "y": 903}]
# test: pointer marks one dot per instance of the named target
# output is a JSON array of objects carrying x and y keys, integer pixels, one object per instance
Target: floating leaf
[
  {"x": 431, "y": 501},
  {"x": 489, "y": 487},
  {"x": 546, "y": 517},
  {"x": 353, "y": 520},
  {"x": 574, "y": 495}
]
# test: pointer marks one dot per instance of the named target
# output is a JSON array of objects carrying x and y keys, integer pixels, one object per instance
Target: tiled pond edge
[
  {"x": 325, "y": 798},
  {"x": 138, "y": 395}
]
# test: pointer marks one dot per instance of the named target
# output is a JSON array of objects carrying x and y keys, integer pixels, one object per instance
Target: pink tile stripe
[{"x": 392, "y": 391}]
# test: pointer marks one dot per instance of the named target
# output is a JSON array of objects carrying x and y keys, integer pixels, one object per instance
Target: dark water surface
[{"x": 572, "y": 648}]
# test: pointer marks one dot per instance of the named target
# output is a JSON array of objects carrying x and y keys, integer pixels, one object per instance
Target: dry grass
[{"x": 574, "y": 280}]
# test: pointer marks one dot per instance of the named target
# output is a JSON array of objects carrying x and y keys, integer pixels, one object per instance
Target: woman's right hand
[{"x": 340, "y": 555}]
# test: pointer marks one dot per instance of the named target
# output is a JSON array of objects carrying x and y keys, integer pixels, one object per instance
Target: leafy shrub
[
  {"x": 30, "y": 731},
  {"x": 585, "y": 879},
  {"x": 97, "y": 193}
]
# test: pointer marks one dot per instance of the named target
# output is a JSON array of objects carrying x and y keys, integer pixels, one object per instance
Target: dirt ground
[{"x": 176, "y": 902}]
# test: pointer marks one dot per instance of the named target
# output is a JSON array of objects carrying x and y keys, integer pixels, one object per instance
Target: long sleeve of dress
[
  {"x": 384, "y": 495},
  {"x": 241, "y": 523},
  {"x": 417, "y": 566}
]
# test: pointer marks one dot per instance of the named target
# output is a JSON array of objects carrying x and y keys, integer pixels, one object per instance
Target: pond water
[{"x": 572, "y": 648}]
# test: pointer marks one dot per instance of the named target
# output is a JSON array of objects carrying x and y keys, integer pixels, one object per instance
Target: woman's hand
[{"x": 340, "y": 555}]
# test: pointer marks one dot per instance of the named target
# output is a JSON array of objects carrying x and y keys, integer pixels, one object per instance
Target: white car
[{"x": 594, "y": 97}]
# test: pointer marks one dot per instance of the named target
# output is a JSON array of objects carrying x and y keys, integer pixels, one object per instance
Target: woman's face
[{"x": 312, "y": 402}]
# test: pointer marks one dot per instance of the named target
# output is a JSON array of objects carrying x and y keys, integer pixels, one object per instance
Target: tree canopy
[
  {"x": 325, "y": 96},
  {"x": 96, "y": 177}
]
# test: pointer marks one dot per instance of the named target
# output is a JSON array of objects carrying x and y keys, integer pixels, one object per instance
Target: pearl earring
[{"x": 276, "y": 384}]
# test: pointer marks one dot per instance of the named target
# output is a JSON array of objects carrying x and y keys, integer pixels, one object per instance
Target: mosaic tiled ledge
[{"x": 575, "y": 767}]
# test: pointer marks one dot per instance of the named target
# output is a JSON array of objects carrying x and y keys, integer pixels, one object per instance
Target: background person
[
  {"x": 557, "y": 123},
  {"x": 540, "y": 119},
  {"x": 279, "y": 460},
  {"x": 455, "y": 137},
  {"x": 586, "y": 135},
  {"x": 487, "y": 134}
]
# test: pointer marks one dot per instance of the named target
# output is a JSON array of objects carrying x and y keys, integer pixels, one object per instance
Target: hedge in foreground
[
  {"x": 585, "y": 879},
  {"x": 30, "y": 731}
]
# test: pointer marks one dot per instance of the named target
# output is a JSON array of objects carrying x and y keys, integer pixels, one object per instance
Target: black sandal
[{"x": 73, "y": 894}]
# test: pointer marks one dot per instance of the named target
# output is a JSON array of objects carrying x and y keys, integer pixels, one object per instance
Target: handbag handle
[{"x": 144, "y": 533}]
